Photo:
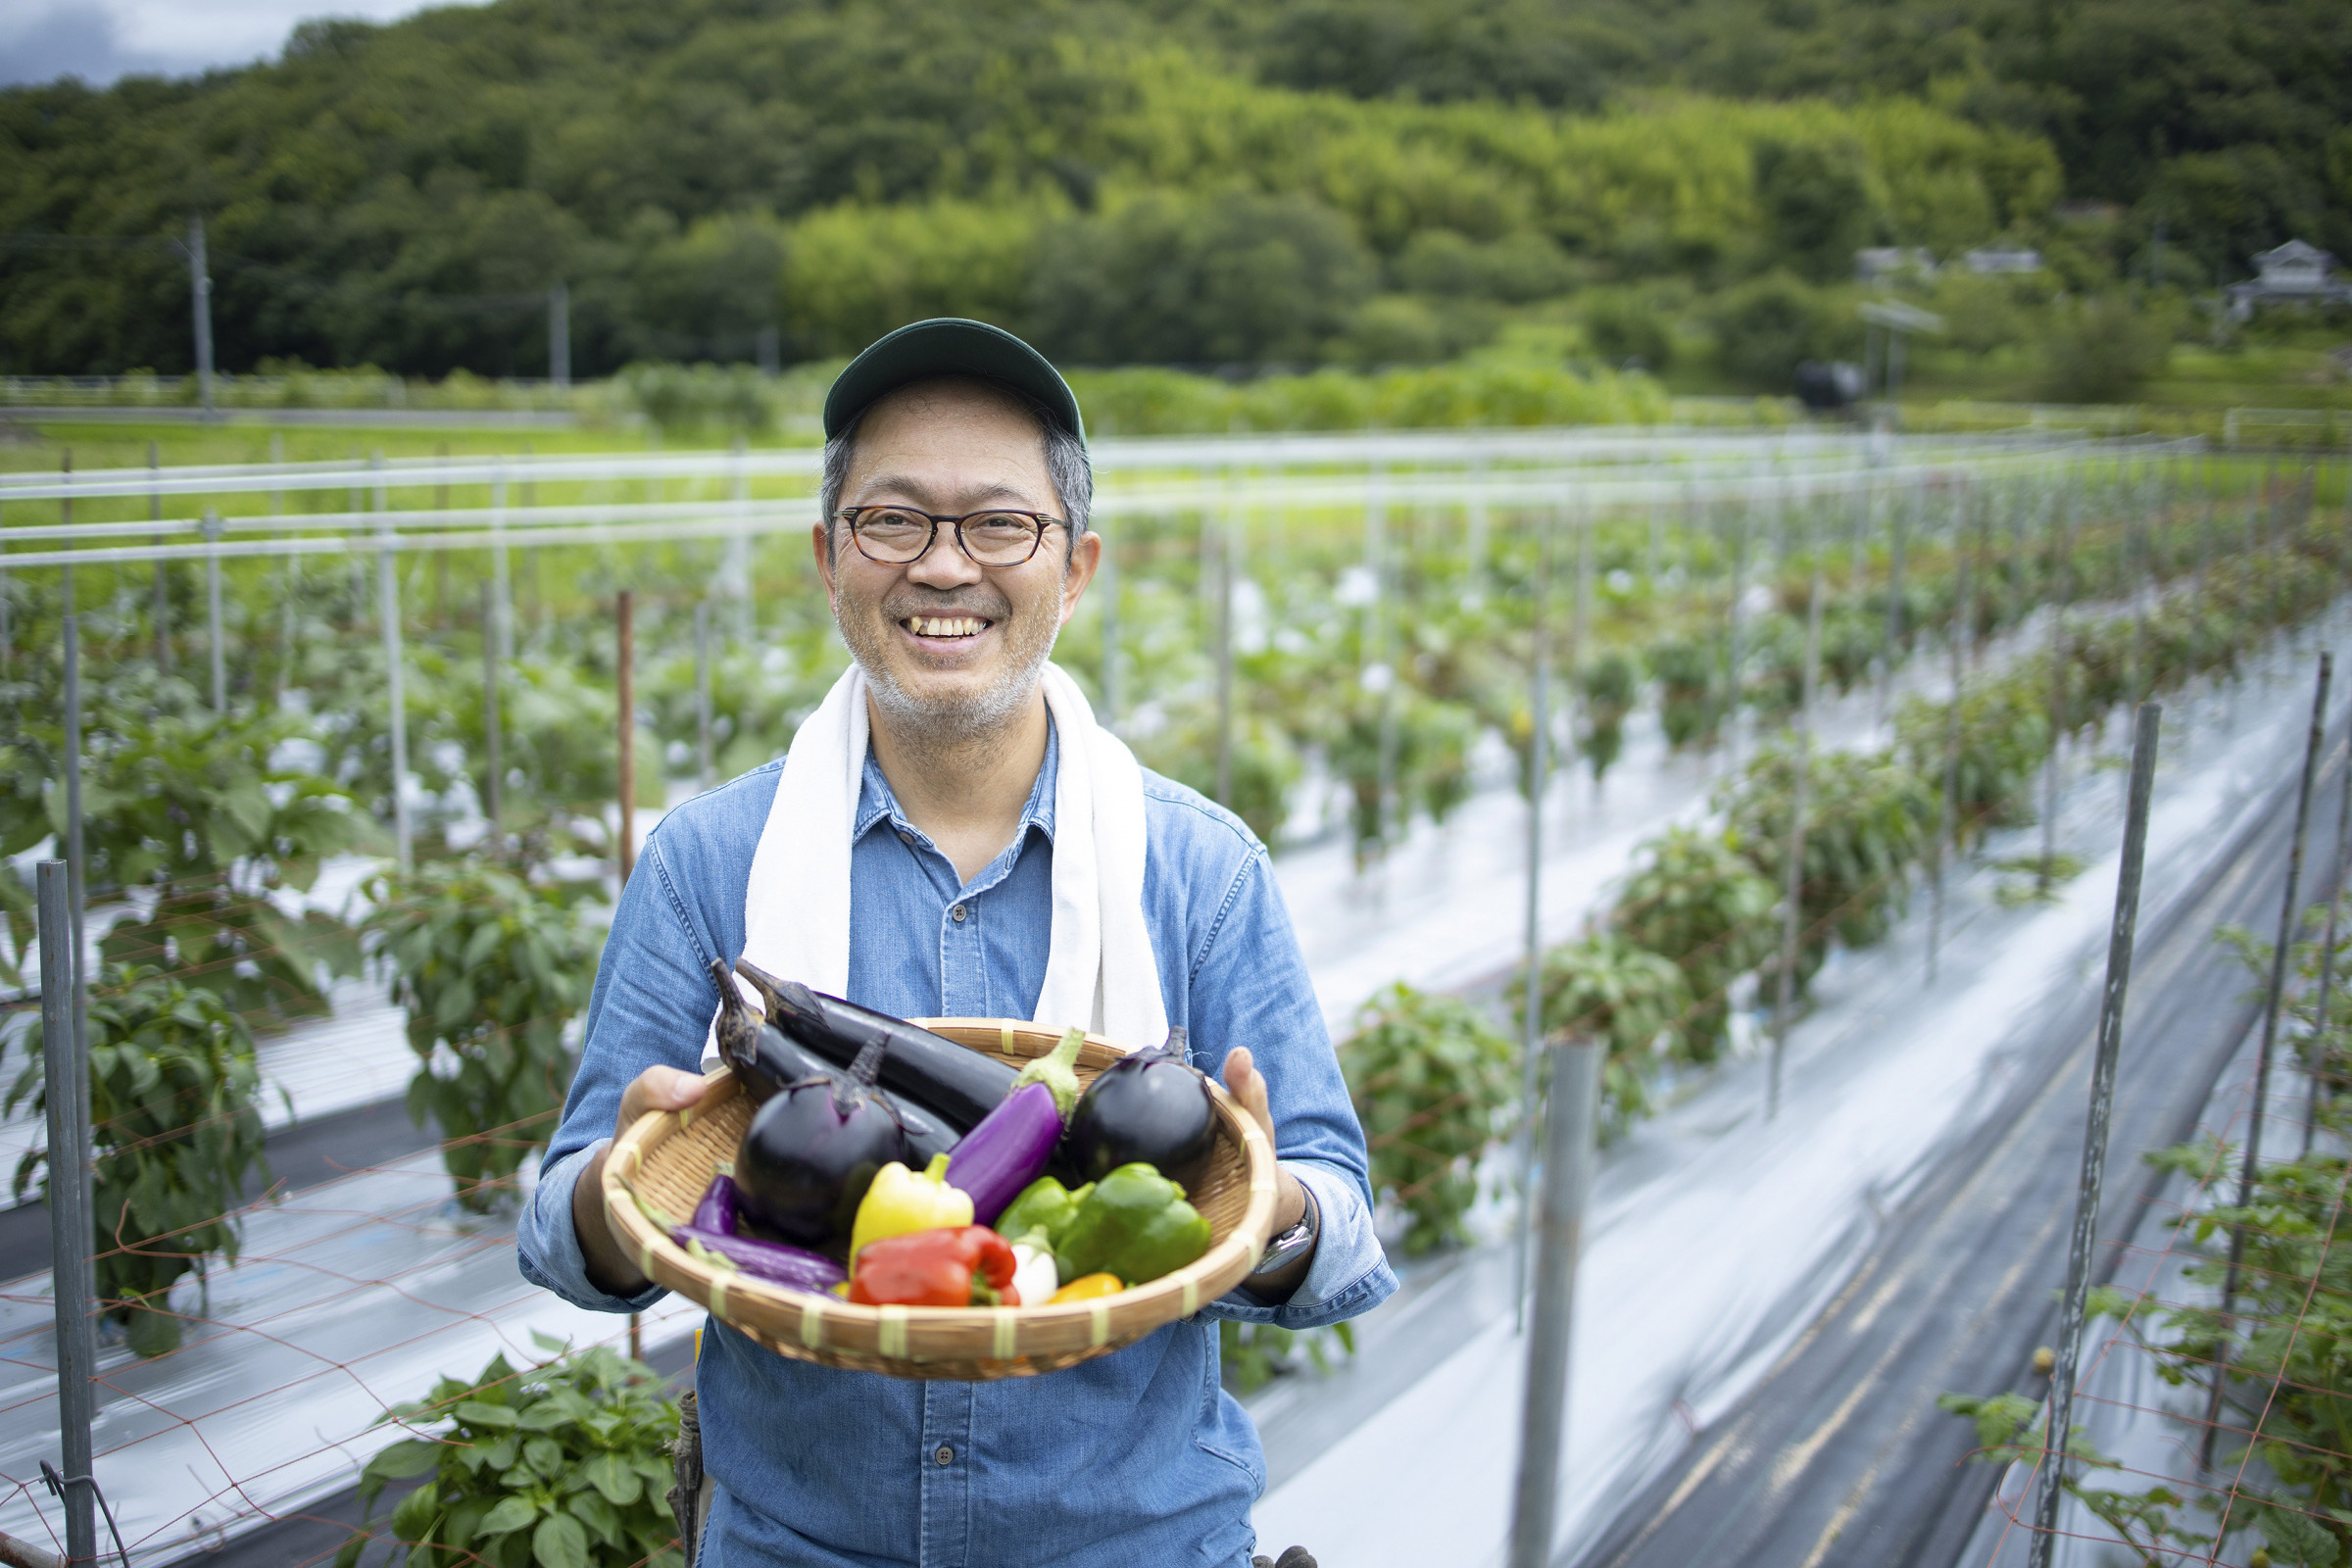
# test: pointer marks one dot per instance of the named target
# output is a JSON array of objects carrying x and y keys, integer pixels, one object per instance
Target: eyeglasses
[{"x": 898, "y": 536}]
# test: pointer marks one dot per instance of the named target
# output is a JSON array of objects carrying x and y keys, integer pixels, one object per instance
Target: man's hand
[
  {"x": 1247, "y": 1085},
  {"x": 609, "y": 1269}
]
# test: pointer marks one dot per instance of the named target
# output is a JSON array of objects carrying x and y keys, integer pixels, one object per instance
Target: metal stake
[
  {"x": 1793, "y": 875},
  {"x": 1567, "y": 1179},
  {"x": 1539, "y": 761},
  {"x": 706, "y": 768},
  {"x": 72, "y": 1227},
  {"x": 2335, "y": 898},
  {"x": 493, "y": 767},
  {"x": 2281, "y": 952},
  {"x": 2146, "y": 723},
  {"x": 1107, "y": 574},
  {"x": 211, "y": 610},
  {"x": 1223, "y": 525},
  {"x": 1376, "y": 553},
  {"x": 2052, "y": 768},
  {"x": 387, "y": 585},
  {"x": 76, "y": 861},
  {"x": 626, "y": 625},
  {"x": 1948, "y": 810},
  {"x": 160, "y": 615}
]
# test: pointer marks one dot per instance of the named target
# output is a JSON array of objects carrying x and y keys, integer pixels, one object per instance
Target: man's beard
[{"x": 950, "y": 720}]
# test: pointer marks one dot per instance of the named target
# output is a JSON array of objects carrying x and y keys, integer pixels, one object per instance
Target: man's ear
[
  {"x": 820, "y": 541},
  {"x": 1086, "y": 557}
]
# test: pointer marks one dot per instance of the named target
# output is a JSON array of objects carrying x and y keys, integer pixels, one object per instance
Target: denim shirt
[{"x": 1135, "y": 1456}]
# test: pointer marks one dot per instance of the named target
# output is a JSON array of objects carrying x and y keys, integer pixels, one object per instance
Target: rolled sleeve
[
  {"x": 548, "y": 1246},
  {"x": 1349, "y": 1273}
]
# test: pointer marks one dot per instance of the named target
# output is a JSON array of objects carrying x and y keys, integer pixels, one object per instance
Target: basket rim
[{"x": 661, "y": 1261}]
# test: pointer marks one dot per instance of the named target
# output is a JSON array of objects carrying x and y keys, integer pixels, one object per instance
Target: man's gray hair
[{"x": 1066, "y": 465}]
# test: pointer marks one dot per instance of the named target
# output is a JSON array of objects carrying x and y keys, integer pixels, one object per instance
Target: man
[{"x": 946, "y": 839}]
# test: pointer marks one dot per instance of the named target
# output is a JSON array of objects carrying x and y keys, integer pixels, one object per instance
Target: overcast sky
[{"x": 99, "y": 40}]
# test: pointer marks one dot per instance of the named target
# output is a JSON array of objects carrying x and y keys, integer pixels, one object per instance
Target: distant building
[
  {"x": 2295, "y": 273},
  {"x": 1892, "y": 261},
  {"x": 2002, "y": 259}
]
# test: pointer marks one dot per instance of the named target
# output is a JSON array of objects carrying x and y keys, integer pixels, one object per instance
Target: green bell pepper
[
  {"x": 1044, "y": 1208},
  {"x": 1135, "y": 1224}
]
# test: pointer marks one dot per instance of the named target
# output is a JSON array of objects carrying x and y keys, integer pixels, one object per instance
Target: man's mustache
[{"x": 988, "y": 606}]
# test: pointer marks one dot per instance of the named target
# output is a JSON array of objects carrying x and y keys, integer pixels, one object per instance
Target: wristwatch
[{"x": 1295, "y": 1243}]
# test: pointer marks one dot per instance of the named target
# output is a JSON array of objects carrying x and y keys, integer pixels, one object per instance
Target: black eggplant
[
  {"x": 812, "y": 1150},
  {"x": 1151, "y": 1106},
  {"x": 767, "y": 1061},
  {"x": 960, "y": 1086}
]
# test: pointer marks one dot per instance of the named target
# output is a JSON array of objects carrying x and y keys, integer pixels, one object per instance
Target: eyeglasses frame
[{"x": 847, "y": 517}]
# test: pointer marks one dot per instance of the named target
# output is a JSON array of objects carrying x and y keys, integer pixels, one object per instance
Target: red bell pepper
[{"x": 962, "y": 1265}]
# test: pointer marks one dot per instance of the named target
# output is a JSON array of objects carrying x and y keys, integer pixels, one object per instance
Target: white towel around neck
[{"x": 1099, "y": 971}]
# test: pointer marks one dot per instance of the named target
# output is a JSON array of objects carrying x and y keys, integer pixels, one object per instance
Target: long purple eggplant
[
  {"x": 767, "y": 1061},
  {"x": 716, "y": 1210},
  {"x": 794, "y": 1266},
  {"x": 1006, "y": 1151},
  {"x": 960, "y": 1086}
]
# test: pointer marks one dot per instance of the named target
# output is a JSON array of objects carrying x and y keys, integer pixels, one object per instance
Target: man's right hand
[{"x": 609, "y": 1269}]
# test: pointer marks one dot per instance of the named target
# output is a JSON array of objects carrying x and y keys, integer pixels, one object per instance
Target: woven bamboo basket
[{"x": 668, "y": 1158}]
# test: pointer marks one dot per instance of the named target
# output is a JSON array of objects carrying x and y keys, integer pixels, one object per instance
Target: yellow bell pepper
[
  {"x": 1087, "y": 1288},
  {"x": 902, "y": 1200}
]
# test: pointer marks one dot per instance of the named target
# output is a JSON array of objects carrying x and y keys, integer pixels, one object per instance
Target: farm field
[{"x": 371, "y": 713}]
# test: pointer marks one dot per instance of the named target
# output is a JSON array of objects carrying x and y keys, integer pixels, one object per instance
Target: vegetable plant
[
  {"x": 557, "y": 1465},
  {"x": 491, "y": 967},
  {"x": 1628, "y": 1000},
  {"x": 176, "y": 1128},
  {"x": 1694, "y": 898},
  {"x": 1431, "y": 1079},
  {"x": 1609, "y": 685}
]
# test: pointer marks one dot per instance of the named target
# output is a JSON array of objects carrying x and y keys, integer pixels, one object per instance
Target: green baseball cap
[{"x": 949, "y": 345}]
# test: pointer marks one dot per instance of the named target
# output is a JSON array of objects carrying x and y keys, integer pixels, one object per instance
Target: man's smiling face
[{"x": 949, "y": 645}]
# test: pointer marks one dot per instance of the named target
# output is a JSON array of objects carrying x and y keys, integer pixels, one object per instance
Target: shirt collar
[{"x": 876, "y": 802}]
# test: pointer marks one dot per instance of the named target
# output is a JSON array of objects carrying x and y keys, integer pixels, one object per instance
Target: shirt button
[
  {"x": 906, "y": 838},
  {"x": 956, "y": 914},
  {"x": 945, "y": 1456}
]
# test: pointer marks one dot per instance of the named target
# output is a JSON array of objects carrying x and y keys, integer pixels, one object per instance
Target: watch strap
[{"x": 1290, "y": 1244}]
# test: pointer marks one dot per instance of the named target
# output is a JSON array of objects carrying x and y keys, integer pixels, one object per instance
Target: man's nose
[{"x": 944, "y": 565}]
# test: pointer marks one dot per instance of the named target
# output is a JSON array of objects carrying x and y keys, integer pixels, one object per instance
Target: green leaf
[
  {"x": 402, "y": 1460},
  {"x": 615, "y": 1476},
  {"x": 560, "y": 1542},
  {"x": 473, "y": 1413},
  {"x": 413, "y": 1520},
  {"x": 512, "y": 1513}
]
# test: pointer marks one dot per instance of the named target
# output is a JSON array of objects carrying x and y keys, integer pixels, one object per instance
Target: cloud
[
  {"x": 77, "y": 38},
  {"x": 102, "y": 40}
]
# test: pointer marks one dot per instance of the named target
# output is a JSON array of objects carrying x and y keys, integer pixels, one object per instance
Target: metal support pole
[
  {"x": 2281, "y": 953},
  {"x": 72, "y": 1228},
  {"x": 212, "y": 610},
  {"x": 738, "y": 547},
  {"x": 1738, "y": 653},
  {"x": 1538, "y": 764},
  {"x": 1947, "y": 812},
  {"x": 558, "y": 336},
  {"x": 1793, "y": 875},
  {"x": 705, "y": 766},
  {"x": 625, "y": 662},
  {"x": 2063, "y": 565},
  {"x": 1106, "y": 574},
  {"x": 200, "y": 297},
  {"x": 2335, "y": 899},
  {"x": 493, "y": 765},
  {"x": 387, "y": 599},
  {"x": 1223, "y": 523},
  {"x": 1474, "y": 575},
  {"x": 1890, "y": 653},
  {"x": 1579, "y": 624},
  {"x": 1378, "y": 669},
  {"x": 76, "y": 860},
  {"x": 2146, "y": 723},
  {"x": 161, "y": 613},
  {"x": 1567, "y": 1179}
]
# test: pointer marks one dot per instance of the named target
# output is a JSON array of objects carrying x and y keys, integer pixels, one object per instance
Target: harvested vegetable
[
  {"x": 1042, "y": 1210},
  {"x": 774, "y": 1262},
  {"x": 1135, "y": 1224},
  {"x": 1006, "y": 1151},
  {"x": 1150, "y": 1108},
  {"x": 716, "y": 1210},
  {"x": 1057, "y": 1070},
  {"x": 970, "y": 1265},
  {"x": 902, "y": 1200},
  {"x": 960, "y": 1086},
  {"x": 812, "y": 1150},
  {"x": 1034, "y": 1278},
  {"x": 1087, "y": 1288},
  {"x": 767, "y": 1061}
]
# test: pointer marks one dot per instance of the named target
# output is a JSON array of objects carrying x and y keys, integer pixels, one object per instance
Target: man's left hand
[{"x": 1247, "y": 1085}]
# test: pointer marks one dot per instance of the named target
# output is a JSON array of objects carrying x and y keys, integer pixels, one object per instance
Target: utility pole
[
  {"x": 558, "y": 336},
  {"x": 200, "y": 298}
]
